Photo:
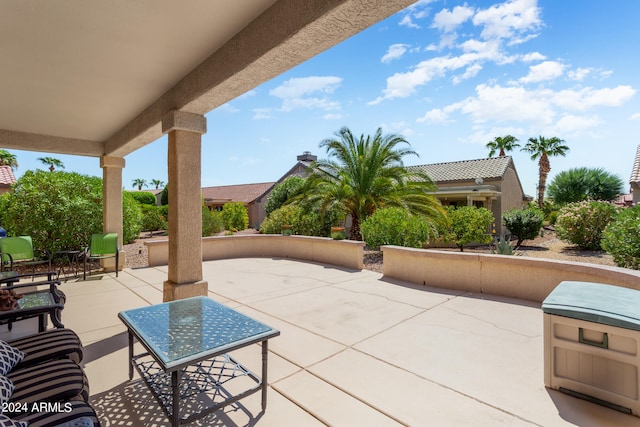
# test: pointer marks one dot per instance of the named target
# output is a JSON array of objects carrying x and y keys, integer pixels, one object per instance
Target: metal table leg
[
  {"x": 175, "y": 386},
  {"x": 265, "y": 354}
]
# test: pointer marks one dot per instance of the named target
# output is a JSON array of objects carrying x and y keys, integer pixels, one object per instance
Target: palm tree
[
  {"x": 8, "y": 159},
  {"x": 139, "y": 182},
  {"x": 52, "y": 162},
  {"x": 502, "y": 143},
  {"x": 365, "y": 174},
  {"x": 542, "y": 148},
  {"x": 157, "y": 183}
]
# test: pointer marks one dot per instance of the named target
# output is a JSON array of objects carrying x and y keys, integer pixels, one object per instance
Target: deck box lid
[{"x": 595, "y": 302}]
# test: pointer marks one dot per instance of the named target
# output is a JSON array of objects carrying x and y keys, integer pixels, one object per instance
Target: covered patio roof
[{"x": 97, "y": 78}]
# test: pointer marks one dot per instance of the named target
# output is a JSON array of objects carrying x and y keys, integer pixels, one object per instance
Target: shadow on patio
[{"x": 354, "y": 349}]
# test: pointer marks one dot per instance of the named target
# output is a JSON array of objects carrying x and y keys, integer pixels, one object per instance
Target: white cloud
[
  {"x": 296, "y": 93},
  {"x": 570, "y": 124},
  {"x": 587, "y": 98},
  {"x": 508, "y": 19},
  {"x": 469, "y": 73},
  {"x": 261, "y": 113},
  {"x": 635, "y": 116},
  {"x": 547, "y": 70},
  {"x": 436, "y": 115},
  {"x": 448, "y": 21},
  {"x": 533, "y": 56},
  {"x": 418, "y": 10},
  {"x": 227, "y": 108},
  {"x": 395, "y": 51}
]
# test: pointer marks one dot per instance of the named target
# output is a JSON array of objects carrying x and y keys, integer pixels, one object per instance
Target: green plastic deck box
[{"x": 592, "y": 341}]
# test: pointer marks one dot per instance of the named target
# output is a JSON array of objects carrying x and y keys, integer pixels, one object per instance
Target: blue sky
[{"x": 447, "y": 75}]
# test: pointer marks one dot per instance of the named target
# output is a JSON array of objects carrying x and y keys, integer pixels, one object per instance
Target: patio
[{"x": 354, "y": 349}]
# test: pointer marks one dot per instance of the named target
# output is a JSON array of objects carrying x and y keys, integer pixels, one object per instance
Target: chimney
[{"x": 307, "y": 157}]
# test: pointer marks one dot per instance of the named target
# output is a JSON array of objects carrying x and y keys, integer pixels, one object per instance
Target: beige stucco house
[{"x": 491, "y": 183}]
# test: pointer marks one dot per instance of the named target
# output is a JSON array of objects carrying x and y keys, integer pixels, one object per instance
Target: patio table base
[{"x": 202, "y": 388}]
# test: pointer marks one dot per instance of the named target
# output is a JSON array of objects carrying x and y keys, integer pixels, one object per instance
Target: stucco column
[
  {"x": 185, "y": 205},
  {"x": 112, "y": 202}
]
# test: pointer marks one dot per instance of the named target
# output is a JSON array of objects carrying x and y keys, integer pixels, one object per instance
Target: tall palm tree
[
  {"x": 8, "y": 159},
  {"x": 139, "y": 182},
  {"x": 542, "y": 148},
  {"x": 503, "y": 144},
  {"x": 52, "y": 162},
  {"x": 362, "y": 175},
  {"x": 157, "y": 183}
]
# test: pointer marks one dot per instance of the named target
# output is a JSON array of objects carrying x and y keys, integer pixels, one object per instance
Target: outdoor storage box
[{"x": 591, "y": 342}]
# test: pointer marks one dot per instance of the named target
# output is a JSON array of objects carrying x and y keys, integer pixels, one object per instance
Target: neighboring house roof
[
  {"x": 245, "y": 193},
  {"x": 466, "y": 170},
  {"x": 6, "y": 176},
  {"x": 635, "y": 173}
]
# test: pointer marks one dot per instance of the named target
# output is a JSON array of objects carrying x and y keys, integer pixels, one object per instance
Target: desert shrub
[
  {"x": 621, "y": 238},
  {"x": 60, "y": 210},
  {"x": 235, "y": 216},
  {"x": 523, "y": 223},
  {"x": 132, "y": 225},
  {"x": 468, "y": 225},
  {"x": 143, "y": 197},
  {"x": 282, "y": 192},
  {"x": 212, "y": 222},
  {"x": 396, "y": 226},
  {"x": 152, "y": 218},
  {"x": 578, "y": 184},
  {"x": 164, "y": 197},
  {"x": 306, "y": 223},
  {"x": 582, "y": 223}
]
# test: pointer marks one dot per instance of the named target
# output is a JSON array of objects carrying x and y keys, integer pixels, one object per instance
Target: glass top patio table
[{"x": 181, "y": 332}]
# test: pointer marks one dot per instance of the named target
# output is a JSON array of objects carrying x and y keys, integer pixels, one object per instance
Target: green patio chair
[
  {"x": 17, "y": 252},
  {"x": 102, "y": 246}
]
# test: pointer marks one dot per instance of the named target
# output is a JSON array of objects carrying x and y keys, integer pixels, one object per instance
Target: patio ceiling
[{"x": 96, "y": 78}]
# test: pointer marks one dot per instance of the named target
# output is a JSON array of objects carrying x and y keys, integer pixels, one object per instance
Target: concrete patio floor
[{"x": 354, "y": 350}]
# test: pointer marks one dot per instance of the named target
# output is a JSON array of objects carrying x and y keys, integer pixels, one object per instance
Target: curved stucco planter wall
[
  {"x": 512, "y": 276},
  {"x": 342, "y": 253}
]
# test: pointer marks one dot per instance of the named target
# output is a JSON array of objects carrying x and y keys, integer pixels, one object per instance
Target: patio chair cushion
[
  {"x": 8, "y": 422},
  {"x": 53, "y": 381},
  {"x": 59, "y": 343},
  {"x": 6, "y": 389},
  {"x": 76, "y": 414},
  {"x": 9, "y": 357}
]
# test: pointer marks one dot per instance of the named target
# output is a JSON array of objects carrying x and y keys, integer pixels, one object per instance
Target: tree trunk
[
  {"x": 354, "y": 232},
  {"x": 545, "y": 168}
]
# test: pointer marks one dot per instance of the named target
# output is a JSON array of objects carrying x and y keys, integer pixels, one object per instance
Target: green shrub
[
  {"x": 282, "y": 192},
  {"x": 235, "y": 216},
  {"x": 212, "y": 222},
  {"x": 468, "y": 225},
  {"x": 132, "y": 211},
  {"x": 396, "y": 226},
  {"x": 306, "y": 223},
  {"x": 621, "y": 238},
  {"x": 143, "y": 197},
  {"x": 582, "y": 223},
  {"x": 578, "y": 184},
  {"x": 152, "y": 218},
  {"x": 164, "y": 197},
  {"x": 525, "y": 224},
  {"x": 60, "y": 210}
]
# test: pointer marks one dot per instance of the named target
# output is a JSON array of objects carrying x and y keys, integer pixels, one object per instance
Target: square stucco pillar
[
  {"x": 112, "y": 204},
  {"x": 185, "y": 205}
]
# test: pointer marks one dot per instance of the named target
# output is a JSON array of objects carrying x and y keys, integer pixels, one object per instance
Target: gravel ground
[{"x": 547, "y": 246}]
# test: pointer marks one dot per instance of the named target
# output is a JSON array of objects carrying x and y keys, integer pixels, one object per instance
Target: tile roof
[
  {"x": 6, "y": 176},
  {"x": 466, "y": 170},
  {"x": 245, "y": 193},
  {"x": 635, "y": 173}
]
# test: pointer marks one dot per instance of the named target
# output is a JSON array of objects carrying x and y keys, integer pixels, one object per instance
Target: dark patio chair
[
  {"x": 102, "y": 246},
  {"x": 17, "y": 252}
]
